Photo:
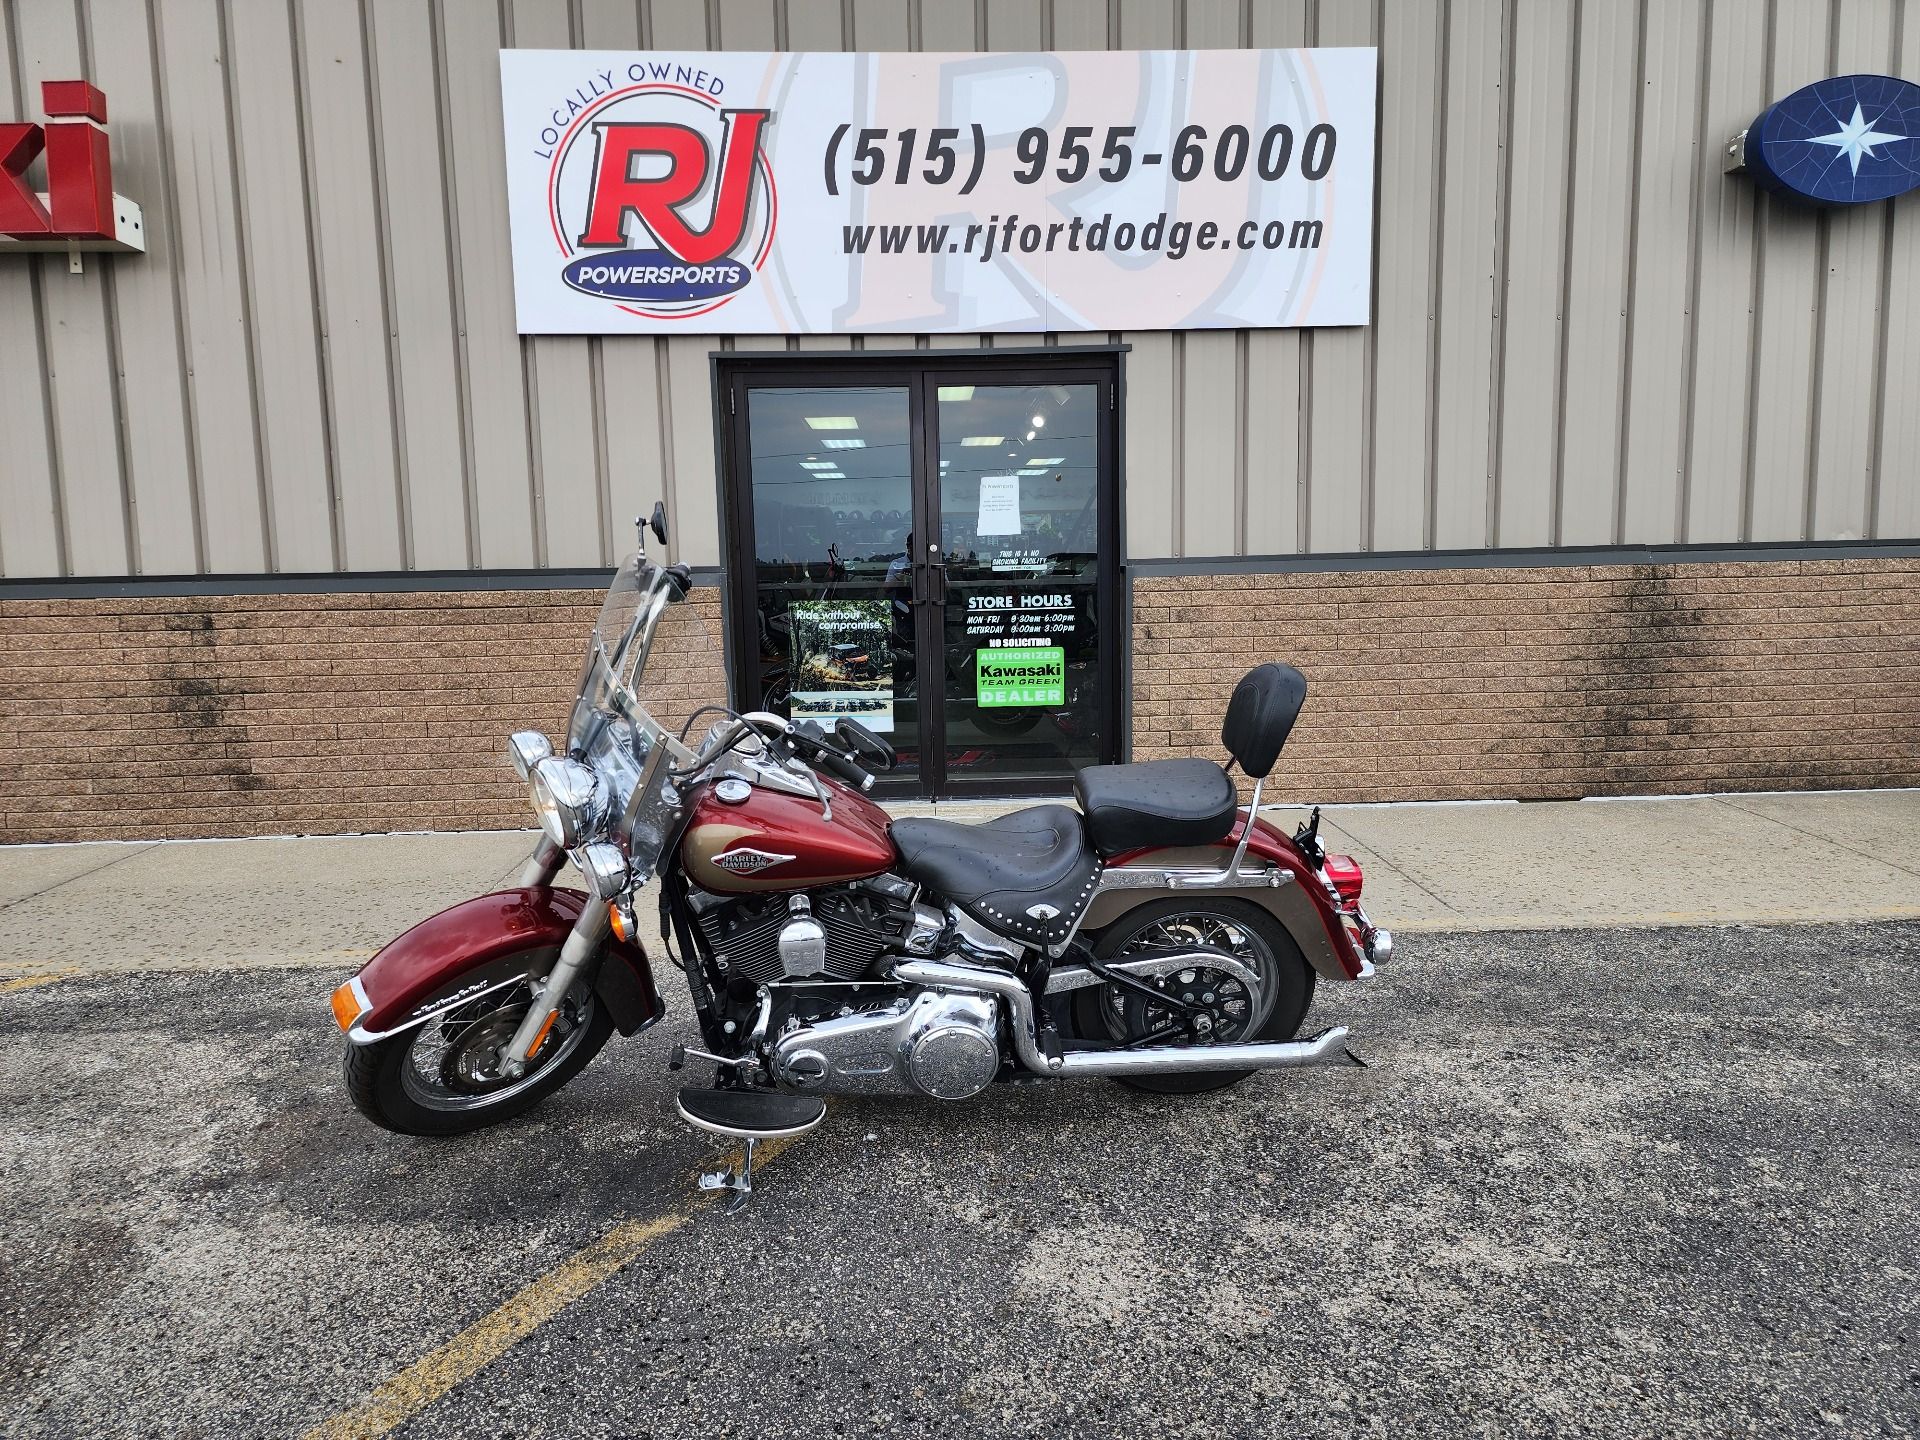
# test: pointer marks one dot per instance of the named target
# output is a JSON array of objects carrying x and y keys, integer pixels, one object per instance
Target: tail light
[{"x": 1343, "y": 873}]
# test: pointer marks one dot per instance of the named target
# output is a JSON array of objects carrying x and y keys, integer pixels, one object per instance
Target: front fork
[
  {"x": 541, "y": 866},
  {"x": 587, "y": 938}
]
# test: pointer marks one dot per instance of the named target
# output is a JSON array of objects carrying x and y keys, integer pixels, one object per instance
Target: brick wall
[
  {"x": 1551, "y": 682},
  {"x": 276, "y": 714},
  {"x": 237, "y": 715}
]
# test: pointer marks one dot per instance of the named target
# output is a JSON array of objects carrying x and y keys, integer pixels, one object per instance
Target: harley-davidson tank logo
[{"x": 748, "y": 861}]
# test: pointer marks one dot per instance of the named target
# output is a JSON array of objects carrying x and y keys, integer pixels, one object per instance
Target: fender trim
[{"x": 483, "y": 944}]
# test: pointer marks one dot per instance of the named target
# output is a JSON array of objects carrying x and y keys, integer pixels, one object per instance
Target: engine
[
  {"x": 942, "y": 1045},
  {"x": 837, "y": 933},
  {"x": 863, "y": 1035}
]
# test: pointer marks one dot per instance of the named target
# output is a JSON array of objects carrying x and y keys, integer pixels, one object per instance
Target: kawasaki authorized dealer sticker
[{"x": 1032, "y": 675}]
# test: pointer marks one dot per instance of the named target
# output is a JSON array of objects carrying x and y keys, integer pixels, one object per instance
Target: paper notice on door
[{"x": 999, "y": 505}]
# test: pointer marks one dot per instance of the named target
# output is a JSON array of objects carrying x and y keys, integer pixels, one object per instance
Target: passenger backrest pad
[{"x": 1260, "y": 716}]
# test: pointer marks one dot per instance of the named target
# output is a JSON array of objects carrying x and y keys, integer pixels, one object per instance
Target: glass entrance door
[
  {"x": 929, "y": 548},
  {"x": 1019, "y": 490},
  {"x": 831, "y": 497}
]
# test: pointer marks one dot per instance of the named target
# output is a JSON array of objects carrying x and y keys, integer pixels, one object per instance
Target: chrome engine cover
[{"x": 939, "y": 1045}]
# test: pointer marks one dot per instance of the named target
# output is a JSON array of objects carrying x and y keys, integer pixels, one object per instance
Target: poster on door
[{"x": 841, "y": 660}]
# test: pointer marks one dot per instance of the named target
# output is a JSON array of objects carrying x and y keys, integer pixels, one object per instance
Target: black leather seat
[
  {"x": 1027, "y": 875},
  {"x": 1155, "y": 802}
]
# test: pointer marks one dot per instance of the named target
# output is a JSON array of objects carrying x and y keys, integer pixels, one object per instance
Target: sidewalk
[{"x": 333, "y": 900}]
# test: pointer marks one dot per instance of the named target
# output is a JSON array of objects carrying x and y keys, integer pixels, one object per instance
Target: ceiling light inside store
[
  {"x": 1048, "y": 460},
  {"x": 1038, "y": 421},
  {"x": 982, "y": 439},
  {"x": 829, "y": 475},
  {"x": 854, "y": 444},
  {"x": 819, "y": 464},
  {"x": 1030, "y": 472},
  {"x": 956, "y": 392},
  {"x": 833, "y": 422}
]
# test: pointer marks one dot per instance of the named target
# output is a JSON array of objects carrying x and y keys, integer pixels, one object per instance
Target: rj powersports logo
[{"x": 661, "y": 198}]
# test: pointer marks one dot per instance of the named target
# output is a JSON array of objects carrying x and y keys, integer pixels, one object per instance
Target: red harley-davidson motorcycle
[{"x": 1160, "y": 934}]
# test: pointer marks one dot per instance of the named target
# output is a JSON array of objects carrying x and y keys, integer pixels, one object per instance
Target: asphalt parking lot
[{"x": 1595, "y": 1182}]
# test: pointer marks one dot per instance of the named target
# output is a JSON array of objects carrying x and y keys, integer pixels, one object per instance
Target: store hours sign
[{"x": 822, "y": 193}]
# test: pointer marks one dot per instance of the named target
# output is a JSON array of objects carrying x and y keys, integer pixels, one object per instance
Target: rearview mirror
[
  {"x": 658, "y": 524},
  {"x": 868, "y": 748}
]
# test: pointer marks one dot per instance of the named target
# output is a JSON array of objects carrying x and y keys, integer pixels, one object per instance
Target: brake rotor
[{"x": 472, "y": 1062}]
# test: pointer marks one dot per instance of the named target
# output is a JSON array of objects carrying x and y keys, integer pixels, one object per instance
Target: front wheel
[
  {"x": 437, "y": 1078},
  {"x": 1212, "y": 1006}
]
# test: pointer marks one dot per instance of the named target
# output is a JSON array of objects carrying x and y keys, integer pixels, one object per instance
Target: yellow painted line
[
  {"x": 28, "y": 982},
  {"x": 488, "y": 1338}
]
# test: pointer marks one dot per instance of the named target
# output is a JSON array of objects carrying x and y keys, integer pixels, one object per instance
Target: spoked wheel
[
  {"x": 1200, "y": 1005},
  {"x": 441, "y": 1078}
]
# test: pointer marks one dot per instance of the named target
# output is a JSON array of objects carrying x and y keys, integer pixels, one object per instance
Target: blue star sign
[{"x": 1845, "y": 141}]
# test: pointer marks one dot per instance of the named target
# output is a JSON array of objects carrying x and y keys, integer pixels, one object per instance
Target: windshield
[{"x": 651, "y": 662}]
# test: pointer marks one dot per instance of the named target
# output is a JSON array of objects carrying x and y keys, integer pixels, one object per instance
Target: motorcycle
[{"x": 1160, "y": 934}]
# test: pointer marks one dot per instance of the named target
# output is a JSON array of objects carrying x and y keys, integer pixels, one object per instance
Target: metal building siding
[{"x": 1583, "y": 331}]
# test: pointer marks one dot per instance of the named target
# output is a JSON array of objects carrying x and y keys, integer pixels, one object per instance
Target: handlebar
[
  {"x": 811, "y": 748},
  {"x": 845, "y": 767}
]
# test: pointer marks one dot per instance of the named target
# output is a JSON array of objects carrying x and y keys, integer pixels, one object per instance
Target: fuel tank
[{"x": 775, "y": 841}]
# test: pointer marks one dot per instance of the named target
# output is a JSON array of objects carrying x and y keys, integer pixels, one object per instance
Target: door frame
[{"x": 920, "y": 371}]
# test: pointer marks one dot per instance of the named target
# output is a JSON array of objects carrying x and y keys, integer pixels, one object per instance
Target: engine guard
[{"x": 484, "y": 944}]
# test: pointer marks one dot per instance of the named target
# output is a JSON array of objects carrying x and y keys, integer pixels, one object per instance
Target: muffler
[{"x": 1329, "y": 1047}]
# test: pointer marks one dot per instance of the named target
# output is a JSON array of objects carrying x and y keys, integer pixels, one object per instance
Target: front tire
[
  {"x": 430, "y": 1080},
  {"x": 1249, "y": 932}
]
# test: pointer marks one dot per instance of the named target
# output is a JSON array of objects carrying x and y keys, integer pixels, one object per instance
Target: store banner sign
[{"x": 797, "y": 194}]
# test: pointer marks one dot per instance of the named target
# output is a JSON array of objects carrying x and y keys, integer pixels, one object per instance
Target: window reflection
[
  {"x": 832, "y": 482},
  {"x": 1019, "y": 480}
]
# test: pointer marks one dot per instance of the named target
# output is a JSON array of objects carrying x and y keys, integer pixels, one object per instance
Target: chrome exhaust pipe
[{"x": 1329, "y": 1047}]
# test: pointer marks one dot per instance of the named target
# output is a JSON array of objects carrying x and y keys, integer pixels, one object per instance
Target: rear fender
[
  {"x": 1300, "y": 904},
  {"x": 486, "y": 944}
]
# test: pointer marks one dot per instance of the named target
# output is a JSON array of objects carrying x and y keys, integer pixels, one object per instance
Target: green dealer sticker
[{"x": 1029, "y": 675}]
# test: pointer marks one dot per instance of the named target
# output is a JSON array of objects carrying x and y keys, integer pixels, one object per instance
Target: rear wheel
[
  {"x": 438, "y": 1078},
  {"x": 1202, "y": 1005}
]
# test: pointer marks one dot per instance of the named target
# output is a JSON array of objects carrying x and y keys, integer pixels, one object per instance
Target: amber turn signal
[
  {"x": 541, "y": 1038},
  {"x": 622, "y": 926},
  {"x": 347, "y": 1006}
]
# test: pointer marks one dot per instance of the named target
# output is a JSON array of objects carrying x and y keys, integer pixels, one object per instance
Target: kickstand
[
  {"x": 1357, "y": 1061},
  {"x": 740, "y": 1182}
]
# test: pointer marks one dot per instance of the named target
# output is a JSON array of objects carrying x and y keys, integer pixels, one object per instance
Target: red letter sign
[
  {"x": 79, "y": 170},
  {"x": 21, "y": 212}
]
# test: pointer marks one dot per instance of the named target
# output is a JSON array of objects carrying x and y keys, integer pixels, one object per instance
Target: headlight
[
  {"x": 527, "y": 748},
  {"x": 604, "y": 867},
  {"x": 566, "y": 796}
]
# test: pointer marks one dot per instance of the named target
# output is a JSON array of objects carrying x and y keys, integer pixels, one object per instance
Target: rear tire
[
  {"x": 1240, "y": 926},
  {"x": 389, "y": 1086}
]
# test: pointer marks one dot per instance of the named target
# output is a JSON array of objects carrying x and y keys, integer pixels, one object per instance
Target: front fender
[{"x": 486, "y": 943}]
